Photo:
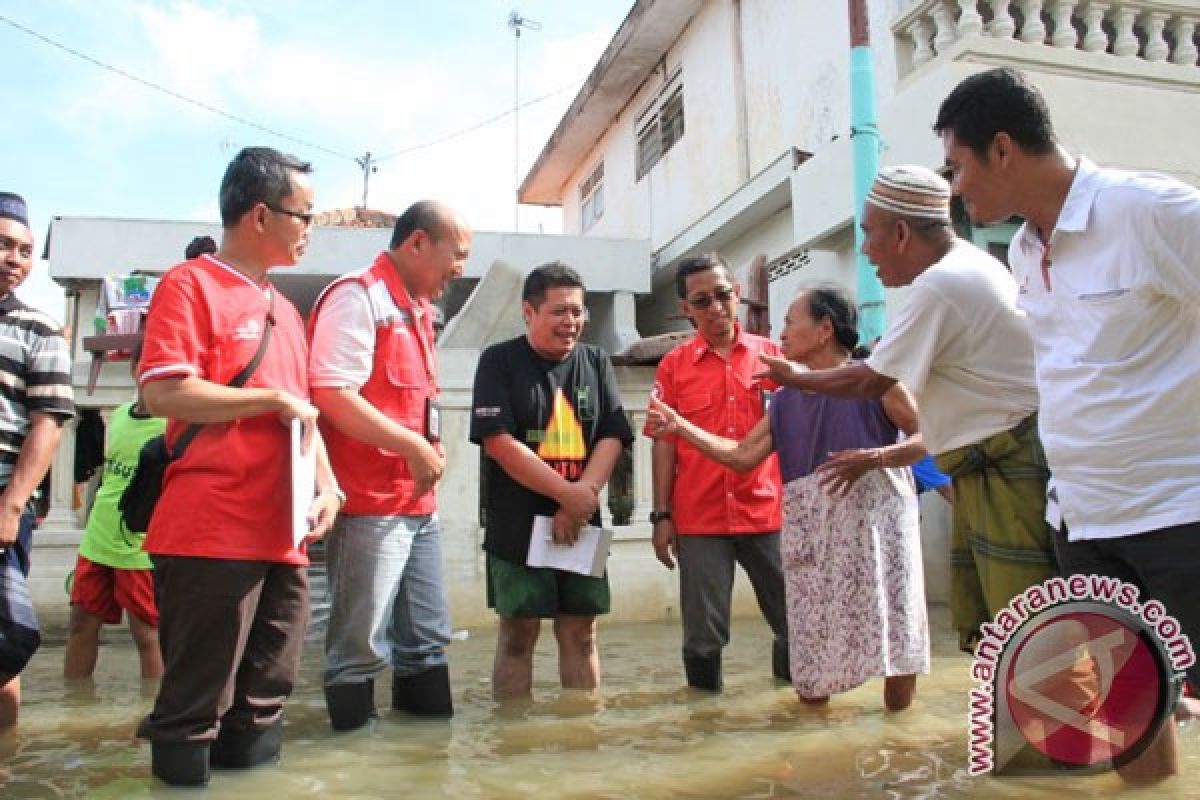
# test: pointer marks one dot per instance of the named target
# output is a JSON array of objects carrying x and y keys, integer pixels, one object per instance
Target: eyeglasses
[
  {"x": 719, "y": 295},
  {"x": 304, "y": 216},
  {"x": 11, "y": 245}
]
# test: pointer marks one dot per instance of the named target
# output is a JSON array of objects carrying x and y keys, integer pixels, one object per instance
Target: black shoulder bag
[{"x": 141, "y": 495}]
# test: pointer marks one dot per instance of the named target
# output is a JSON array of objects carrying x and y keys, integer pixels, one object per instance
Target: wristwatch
[{"x": 658, "y": 516}]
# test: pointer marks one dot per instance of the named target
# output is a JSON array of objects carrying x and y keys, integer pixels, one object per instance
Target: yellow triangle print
[{"x": 564, "y": 435}]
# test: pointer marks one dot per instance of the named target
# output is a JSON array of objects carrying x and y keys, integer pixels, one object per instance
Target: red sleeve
[
  {"x": 178, "y": 329},
  {"x": 664, "y": 385}
]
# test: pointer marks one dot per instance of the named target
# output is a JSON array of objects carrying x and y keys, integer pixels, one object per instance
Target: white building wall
[
  {"x": 796, "y": 82},
  {"x": 771, "y": 238}
]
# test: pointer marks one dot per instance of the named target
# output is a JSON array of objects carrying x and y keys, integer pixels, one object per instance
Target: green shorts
[{"x": 516, "y": 590}]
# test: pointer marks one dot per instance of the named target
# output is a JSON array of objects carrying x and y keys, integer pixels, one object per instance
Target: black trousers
[
  {"x": 1161, "y": 563},
  {"x": 231, "y": 633}
]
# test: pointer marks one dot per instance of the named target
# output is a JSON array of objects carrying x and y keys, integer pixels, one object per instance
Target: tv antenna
[{"x": 516, "y": 24}]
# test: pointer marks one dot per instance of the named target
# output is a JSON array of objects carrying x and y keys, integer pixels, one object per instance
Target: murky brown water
[{"x": 646, "y": 738}]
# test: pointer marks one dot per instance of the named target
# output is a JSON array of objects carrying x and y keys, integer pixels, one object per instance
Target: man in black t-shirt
[{"x": 547, "y": 413}]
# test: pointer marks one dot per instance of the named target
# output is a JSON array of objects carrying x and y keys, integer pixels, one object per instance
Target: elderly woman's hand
[
  {"x": 843, "y": 469},
  {"x": 661, "y": 419}
]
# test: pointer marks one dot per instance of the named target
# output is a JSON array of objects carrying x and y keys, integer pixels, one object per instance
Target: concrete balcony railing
[{"x": 1154, "y": 32}]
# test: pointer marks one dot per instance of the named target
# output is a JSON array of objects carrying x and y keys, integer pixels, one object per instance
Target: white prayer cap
[{"x": 911, "y": 191}]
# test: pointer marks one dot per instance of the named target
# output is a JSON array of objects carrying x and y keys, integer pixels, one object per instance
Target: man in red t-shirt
[
  {"x": 708, "y": 517},
  {"x": 230, "y": 579}
]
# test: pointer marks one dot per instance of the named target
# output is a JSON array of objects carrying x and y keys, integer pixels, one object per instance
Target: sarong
[{"x": 1000, "y": 542}]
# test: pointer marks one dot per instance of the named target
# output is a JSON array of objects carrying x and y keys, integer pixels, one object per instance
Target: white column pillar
[
  {"x": 1185, "y": 42},
  {"x": 643, "y": 477},
  {"x": 1156, "y": 44},
  {"x": 919, "y": 32},
  {"x": 1126, "y": 43},
  {"x": 945, "y": 28},
  {"x": 60, "y": 516},
  {"x": 1002, "y": 25},
  {"x": 970, "y": 22},
  {"x": 1033, "y": 30},
  {"x": 1065, "y": 35},
  {"x": 1095, "y": 40},
  {"x": 624, "y": 319}
]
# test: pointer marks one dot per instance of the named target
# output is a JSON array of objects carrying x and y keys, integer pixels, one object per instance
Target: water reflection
[{"x": 643, "y": 736}]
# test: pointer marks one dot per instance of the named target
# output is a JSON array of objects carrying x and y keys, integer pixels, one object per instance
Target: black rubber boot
[
  {"x": 780, "y": 663},
  {"x": 426, "y": 694},
  {"x": 238, "y": 748},
  {"x": 350, "y": 705},
  {"x": 180, "y": 763},
  {"x": 703, "y": 672}
]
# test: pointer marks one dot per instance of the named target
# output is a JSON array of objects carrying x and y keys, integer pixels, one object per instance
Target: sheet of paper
[
  {"x": 587, "y": 556},
  {"x": 304, "y": 482}
]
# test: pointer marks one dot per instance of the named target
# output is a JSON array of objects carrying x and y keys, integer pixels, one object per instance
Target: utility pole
[
  {"x": 367, "y": 163},
  {"x": 864, "y": 134},
  {"x": 516, "y": 23}
]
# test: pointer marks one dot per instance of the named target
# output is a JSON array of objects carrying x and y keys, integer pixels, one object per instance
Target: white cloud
[{"x": 333, "y": 95}]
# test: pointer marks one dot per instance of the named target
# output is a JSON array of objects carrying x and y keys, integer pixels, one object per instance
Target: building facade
[{"x": 725, "y": 124}]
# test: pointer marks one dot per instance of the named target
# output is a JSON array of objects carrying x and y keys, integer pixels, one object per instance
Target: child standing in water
[{"x": 112, "y": 573}]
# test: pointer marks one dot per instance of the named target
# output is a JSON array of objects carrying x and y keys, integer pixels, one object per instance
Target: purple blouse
[{"x": 806, "y": 428}]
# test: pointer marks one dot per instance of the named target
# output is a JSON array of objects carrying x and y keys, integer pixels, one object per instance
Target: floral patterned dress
[{"x": 852, "y": 565}]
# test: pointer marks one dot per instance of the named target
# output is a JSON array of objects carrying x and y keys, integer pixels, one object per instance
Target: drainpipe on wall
[{"x": 864, "y": 133}]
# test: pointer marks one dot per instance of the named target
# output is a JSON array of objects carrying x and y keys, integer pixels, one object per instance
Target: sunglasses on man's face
[{"x": 722, "y": 294}]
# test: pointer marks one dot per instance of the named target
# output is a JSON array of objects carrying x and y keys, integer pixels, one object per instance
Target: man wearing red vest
[{"x": 374, "y": 377}]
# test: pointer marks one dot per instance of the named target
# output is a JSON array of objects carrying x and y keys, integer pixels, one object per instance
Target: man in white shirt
[
  {"x": 1107, "y": 268},
  {"x": 962, "y": 347}
]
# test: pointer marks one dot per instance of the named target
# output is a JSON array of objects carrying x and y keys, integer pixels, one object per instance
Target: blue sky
[{"x": 347, "y": 77}]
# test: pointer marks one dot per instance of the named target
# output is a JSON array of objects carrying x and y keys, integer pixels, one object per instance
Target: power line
[
  {"x": 478, "y": 125},
  {"x": 257, "y": 126},
  {"x": 171, "y": 92}
]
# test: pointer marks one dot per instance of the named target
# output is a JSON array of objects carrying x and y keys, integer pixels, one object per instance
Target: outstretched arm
[
  {"x": 740, "y": 456},
  {"x": 851, "y": 380}
]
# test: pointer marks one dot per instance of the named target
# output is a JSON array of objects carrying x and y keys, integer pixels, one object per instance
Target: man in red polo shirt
[
  {"x": 708, "y": 517},
  {"x": 374, "y": 377},
  {"x": 231, "y": 583}
]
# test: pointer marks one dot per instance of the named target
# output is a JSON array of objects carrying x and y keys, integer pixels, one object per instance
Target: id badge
[{"x": 433, "y": 420}]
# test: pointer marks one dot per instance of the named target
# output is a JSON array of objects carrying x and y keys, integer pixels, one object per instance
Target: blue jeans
[{"x": 388, "y": 597}]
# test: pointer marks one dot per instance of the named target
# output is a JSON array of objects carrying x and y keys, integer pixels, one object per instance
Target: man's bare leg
[
  {"x": 512, "y": 673},
  {"x": 578, "y": 658},
  {"x": 10, "y": 701}
]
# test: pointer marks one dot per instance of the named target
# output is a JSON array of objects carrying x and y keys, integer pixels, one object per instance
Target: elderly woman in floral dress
[{"x": 851, "y": 548}]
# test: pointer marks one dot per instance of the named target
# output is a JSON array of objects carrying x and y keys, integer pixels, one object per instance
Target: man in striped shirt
[{"x": 35, "y": 401}]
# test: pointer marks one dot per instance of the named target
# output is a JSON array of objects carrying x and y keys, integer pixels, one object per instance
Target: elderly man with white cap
[
  {"x": 962, "y": 347},
  {"x": 35, "y": 401}
]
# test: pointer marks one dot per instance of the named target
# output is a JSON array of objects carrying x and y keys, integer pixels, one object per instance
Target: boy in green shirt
[{"x": 112, "y": 573}]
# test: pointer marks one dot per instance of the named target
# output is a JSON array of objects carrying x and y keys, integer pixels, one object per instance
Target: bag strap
[{"x": 238, "y": 381}]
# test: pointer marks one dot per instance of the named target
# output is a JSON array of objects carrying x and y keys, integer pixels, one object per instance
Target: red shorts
[{"x": 104, "y": 591}]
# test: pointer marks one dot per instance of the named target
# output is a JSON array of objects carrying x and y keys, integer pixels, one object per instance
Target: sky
[{"x": 389, "y": 77}]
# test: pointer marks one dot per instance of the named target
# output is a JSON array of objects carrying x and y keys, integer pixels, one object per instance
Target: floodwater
[{"x": 645, "y": 736}]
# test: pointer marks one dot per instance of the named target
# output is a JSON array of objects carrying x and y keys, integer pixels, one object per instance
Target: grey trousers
[
  {"x": 388, "y": 598},
  {"x": 706, "y": 564}
]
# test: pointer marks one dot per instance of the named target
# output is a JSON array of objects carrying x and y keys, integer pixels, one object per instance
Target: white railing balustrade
[{"x": 1149, "y": 30}]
